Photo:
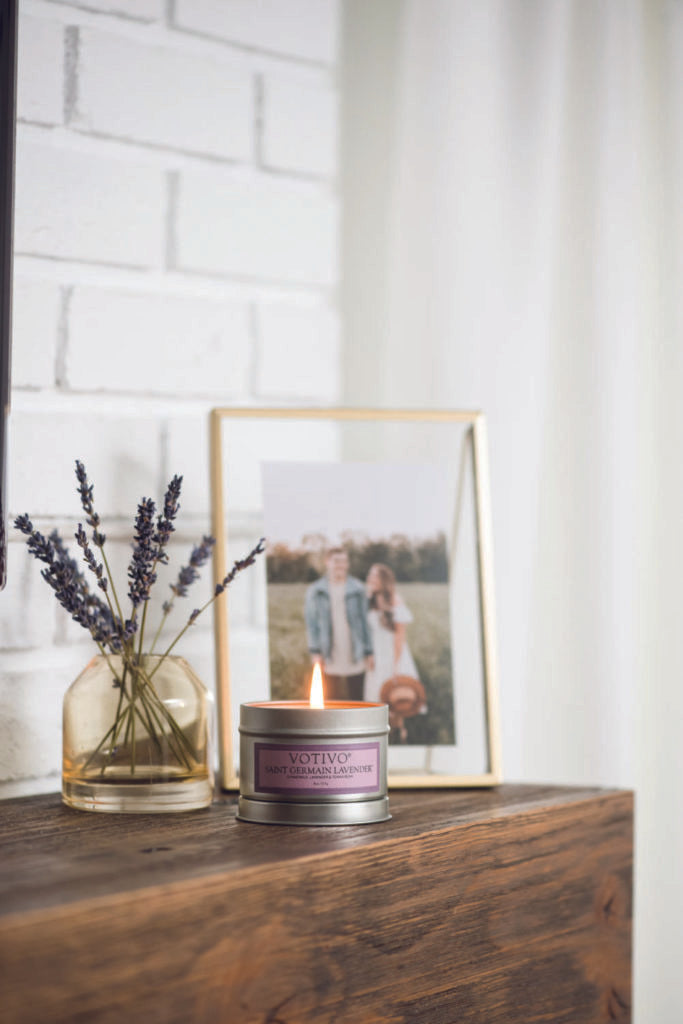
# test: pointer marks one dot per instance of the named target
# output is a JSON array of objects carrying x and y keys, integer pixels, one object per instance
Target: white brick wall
[
  {"x": 164, "y": 97},
  {"x": 73, "y": 206},
  {"x": 25, "y": 590},
  {"x": 200, "y": 346},
  {"x": 31, "y": 715},
  {"x": 298, "y": 28},
  {"x": 309, "y": 340},
  {"x": 176, "y": 248},
  {"x": 139, "y": 10},
  {"x": 221, "y": 230},
  {"x": 36, "y": 324},
  {"x": 121, "y": 453},
  {"x": 40, "y": 68},
  {"x": 299, "y": 128}
]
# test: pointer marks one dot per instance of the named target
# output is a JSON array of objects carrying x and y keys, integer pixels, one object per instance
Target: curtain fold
[{"x": 523, "y": 253}]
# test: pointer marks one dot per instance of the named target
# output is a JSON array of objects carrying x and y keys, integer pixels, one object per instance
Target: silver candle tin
[{"x": 313, "y": 766}]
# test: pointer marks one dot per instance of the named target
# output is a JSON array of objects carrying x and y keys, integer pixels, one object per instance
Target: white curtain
[{"x": 513, "y": 241}]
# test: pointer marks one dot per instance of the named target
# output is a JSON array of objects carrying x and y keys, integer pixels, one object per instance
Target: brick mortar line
[
  {"x": 62, "y": 352},
  {"x": 71, "y": 74},
  {"x": 311, "y": 287},
  {"x": 158, "y": 34},
  {"x": 156, "y": 283},
  {"x": 167, "y": 158},
  {"x": 203, "y": 398},
  {"x": 172, "y": 187}
]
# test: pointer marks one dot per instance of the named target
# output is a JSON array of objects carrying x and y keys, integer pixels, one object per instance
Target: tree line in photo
[{"x": 412, "y": 561}]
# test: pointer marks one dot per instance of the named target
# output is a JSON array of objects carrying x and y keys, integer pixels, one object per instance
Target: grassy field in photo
[{"x": 428, "y": 637}]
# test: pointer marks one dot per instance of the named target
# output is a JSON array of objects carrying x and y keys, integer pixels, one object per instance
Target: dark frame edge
[{"x": 8, "y": 88}]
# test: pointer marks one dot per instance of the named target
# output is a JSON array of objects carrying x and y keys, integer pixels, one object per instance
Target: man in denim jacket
[{"x": 336, "y": 612}]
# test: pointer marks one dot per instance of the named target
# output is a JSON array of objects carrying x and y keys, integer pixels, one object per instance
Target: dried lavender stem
[
  {"x": 132, "y": 728},
  {"x": 148, "y": 724},
  {"x": 99, "y": 745},
  {"x": 118, "y": 722},
  {"x": 150, "y": 712},
  {"x": 142, "y": 623},
  {"x": 117, "y": 718},
  {"x": 160, "y": 706},
  {"x": 106, "y": 656},
  {"x": 144, "y": 613},
  {"x": 127, "y": 732},
  {"x": 173, "y": 738},
  {"x": 180, "y": 634},
  {"x": 141, "y": 674},
  {"x": 158, "y": 632},
  {"x": 193, "y": 618},
  {"x": 113, "y": 590}
]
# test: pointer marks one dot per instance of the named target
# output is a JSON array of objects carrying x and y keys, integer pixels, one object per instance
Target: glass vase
[{"x": 136, "y": 737}]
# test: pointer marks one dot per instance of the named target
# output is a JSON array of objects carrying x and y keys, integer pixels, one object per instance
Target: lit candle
[
  {"x": 313, "y": 762},
  {"x": 317, "y": 697}
]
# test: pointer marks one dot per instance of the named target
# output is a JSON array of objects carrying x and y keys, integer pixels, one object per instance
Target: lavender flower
[
  {"x": 165, "y": 525},
  {"x": 63, "y": 553},
  {"x": 189, "y": 573},
  {"x": 239, "y": 565},
  {"x": 140, "y": 571},
  {"x": 203, "y": 552},
  {"x": 130, "y": 629},
  {"x": 39, "y": 546},
  {"x": 85, "y": 490},
  {"x": 93, "y": 565},
  {"x": 69, "y": 585},
  {"x": 90, "y": 600}
]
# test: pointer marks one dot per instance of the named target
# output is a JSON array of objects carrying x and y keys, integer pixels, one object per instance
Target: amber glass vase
[{"x": 136, "y": 737}]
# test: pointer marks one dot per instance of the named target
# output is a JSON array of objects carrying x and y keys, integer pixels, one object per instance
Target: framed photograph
[{"x": 378, "y": 567}]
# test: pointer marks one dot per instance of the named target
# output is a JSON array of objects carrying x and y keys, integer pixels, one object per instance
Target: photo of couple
[
  {"x": 357, "y": 632},
  {"x": 357, "y": 581}
]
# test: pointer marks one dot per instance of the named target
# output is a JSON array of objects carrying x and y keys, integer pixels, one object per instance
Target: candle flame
[{"x": 317, "y": 699}]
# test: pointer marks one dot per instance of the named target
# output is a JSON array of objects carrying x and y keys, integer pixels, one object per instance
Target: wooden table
[{"x": 486, "y": 906}]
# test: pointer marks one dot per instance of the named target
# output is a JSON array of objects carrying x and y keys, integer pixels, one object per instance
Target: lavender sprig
[
  {"x": 239, "y": 566},
  {"x": 85, "y": 489},
  {"x": 160, "y": 538},
  {"x": 105, "y": 611},
  {"x": 189, "y": 573},
  {"x": 165, "y": 525},
  {"x": 95, "y": 567},
  {"x": 186, "y": 577},
  {"x": 141, "y": 572},
  {"x": 69, "y": 586},
  {"x": 39, "y": 546}
]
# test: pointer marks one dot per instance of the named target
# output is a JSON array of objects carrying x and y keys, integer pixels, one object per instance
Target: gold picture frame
[{"x": 243, "y": 441}]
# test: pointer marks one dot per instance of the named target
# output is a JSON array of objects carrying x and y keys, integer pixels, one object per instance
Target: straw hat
[{"x": 406, "y": 697}]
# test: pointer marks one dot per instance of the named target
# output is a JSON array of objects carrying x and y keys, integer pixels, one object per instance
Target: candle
[{"x": 313, "y": 762}]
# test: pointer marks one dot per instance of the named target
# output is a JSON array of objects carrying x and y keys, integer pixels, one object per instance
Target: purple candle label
[{"x": 308, "y": 769}]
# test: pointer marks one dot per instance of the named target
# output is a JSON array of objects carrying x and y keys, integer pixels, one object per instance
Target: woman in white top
[{"x": 388, "y": 617}]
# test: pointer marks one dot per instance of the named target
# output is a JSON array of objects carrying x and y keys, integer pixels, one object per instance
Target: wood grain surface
[{"x": 508, "y": 905}]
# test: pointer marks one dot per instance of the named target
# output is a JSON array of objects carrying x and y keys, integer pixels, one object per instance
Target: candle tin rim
[
  {"x": 349, "y": 812},
  {"x": 302, "y": 720},
  {"x": 330, "y": 705}
]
